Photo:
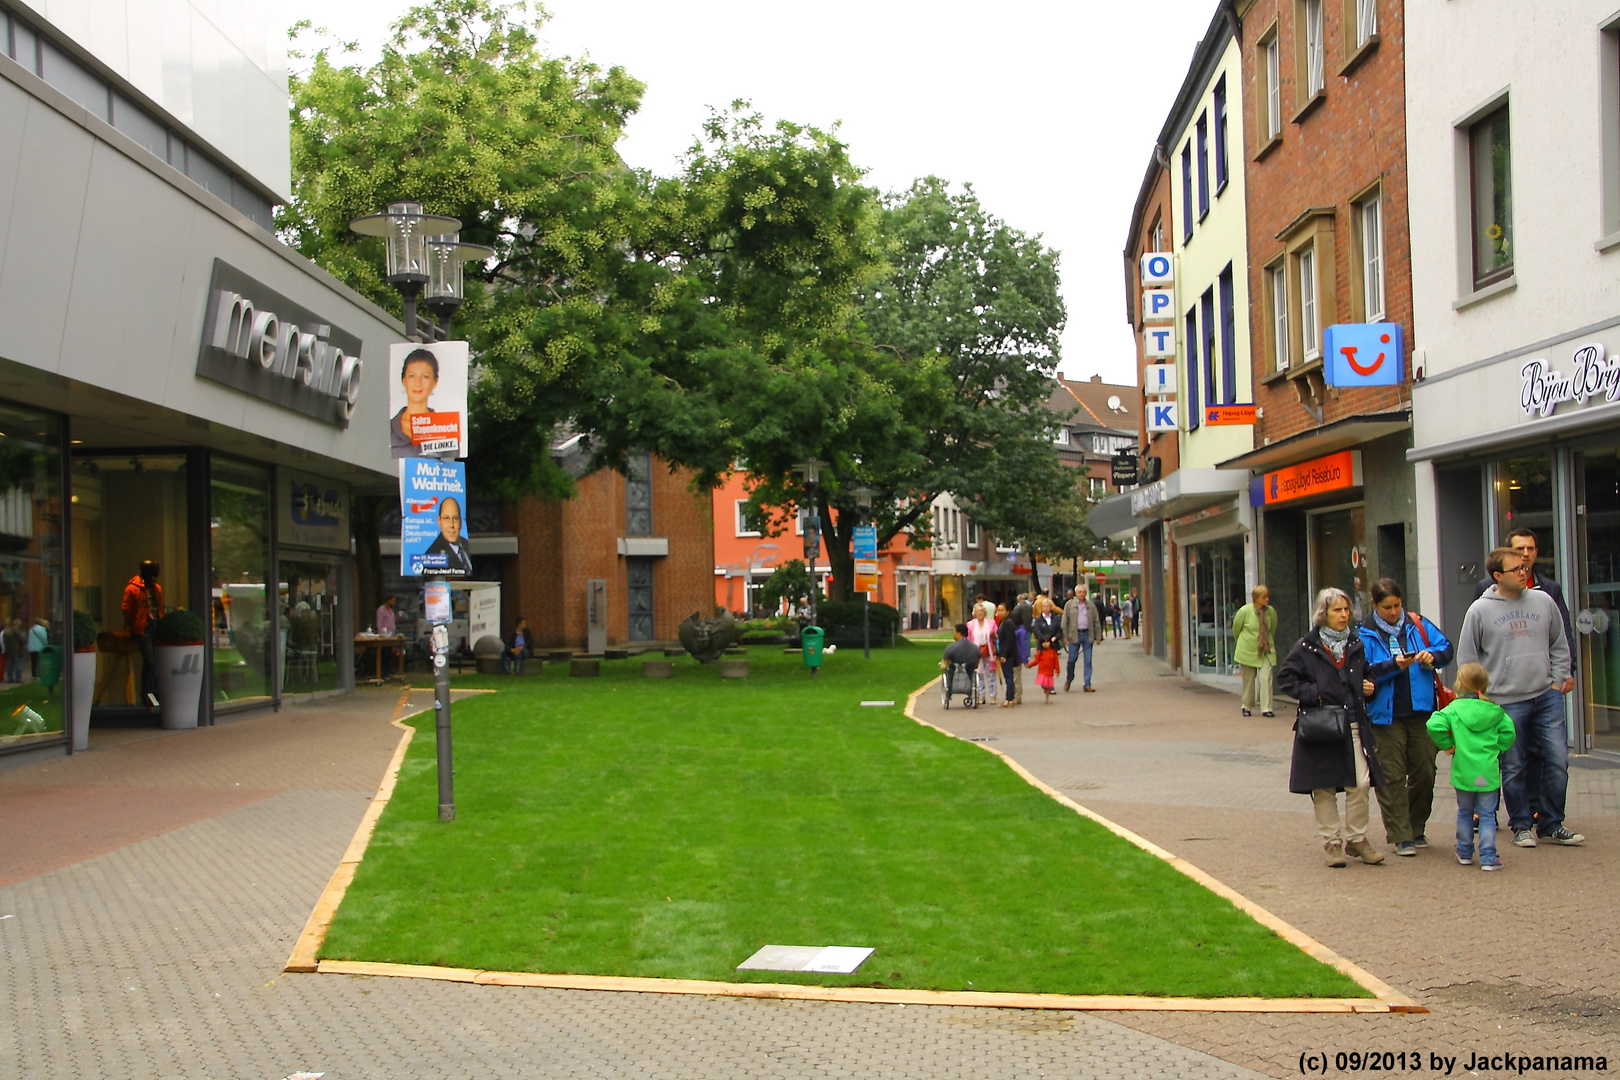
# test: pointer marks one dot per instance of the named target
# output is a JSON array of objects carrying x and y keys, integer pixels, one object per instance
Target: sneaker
[
  {"x": 1364, "y": 851},
  {"x": 1524, "y": 838},
  {"x": 1561, "y": 836},
  {"x": 1405, "y": 849},
  {"x": 1495, "y": 864},
  {"x": 1335, "y": 854},
  {"x": 1461, "y": 861},
  {"x": 1420, "y": 841}
]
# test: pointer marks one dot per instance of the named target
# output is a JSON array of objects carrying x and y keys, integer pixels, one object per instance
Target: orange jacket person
[{"x": 143, "y": 604}]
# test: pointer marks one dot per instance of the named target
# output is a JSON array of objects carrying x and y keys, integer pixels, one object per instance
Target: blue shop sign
[{"x": 1364, "y": 354}]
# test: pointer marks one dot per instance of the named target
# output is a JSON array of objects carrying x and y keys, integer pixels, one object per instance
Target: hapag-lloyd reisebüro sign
[
  {"x": 1595, "y": 375},
  {"x": 259, "y": 342}
]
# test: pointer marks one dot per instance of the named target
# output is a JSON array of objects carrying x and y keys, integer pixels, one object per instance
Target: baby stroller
[{"x": 958, "y": 681}]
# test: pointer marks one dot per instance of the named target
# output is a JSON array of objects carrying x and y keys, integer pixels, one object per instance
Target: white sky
[{"x": 1049, "y": 109}]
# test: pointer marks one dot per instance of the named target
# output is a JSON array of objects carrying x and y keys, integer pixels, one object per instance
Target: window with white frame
[
  {"x": 1278, "y": 294},
  {"x": 1062, "y": 437},
  {"x": 1309, "y": 336},
  {"x": 743, "y": 528},
  {"x": 1372, "y": 259},
  {"x": 1366, "y": 21},
  {"x": 1158, "y": 234},
  {"x": 1273, "y": 87},
  {"x": 1099, "y": 486},
  {"x": 1315, "y": 54},
  {"x": 972, "y": 533},
  {"x": 1002, "y": 546}
]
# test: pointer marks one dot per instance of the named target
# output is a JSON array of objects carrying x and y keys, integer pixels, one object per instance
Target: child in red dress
[{"x": 1045, "y": 664}]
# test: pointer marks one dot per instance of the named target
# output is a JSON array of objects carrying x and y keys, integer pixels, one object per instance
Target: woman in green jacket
[{"x": 1255, "y": 628}]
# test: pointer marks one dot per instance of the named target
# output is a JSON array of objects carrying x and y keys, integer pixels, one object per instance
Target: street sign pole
[{"x": 441, "y": 719}]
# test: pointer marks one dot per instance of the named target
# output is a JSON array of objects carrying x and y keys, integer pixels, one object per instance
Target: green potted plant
[
  {"x": 84, "y": 677},
  {"x": 180, "y": 636}
]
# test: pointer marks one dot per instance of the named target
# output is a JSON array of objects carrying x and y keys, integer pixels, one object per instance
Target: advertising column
[{"x": 427, "y": 432}]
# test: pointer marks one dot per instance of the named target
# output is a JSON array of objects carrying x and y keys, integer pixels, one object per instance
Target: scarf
[
  {"x": 1392, "y": 629},
  {"x": 1262, "y": 644},
  {"x": 1335, "y": 641}
]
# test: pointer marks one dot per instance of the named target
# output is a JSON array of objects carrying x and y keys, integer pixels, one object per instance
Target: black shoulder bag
[{"x": 1324, "y": 723}]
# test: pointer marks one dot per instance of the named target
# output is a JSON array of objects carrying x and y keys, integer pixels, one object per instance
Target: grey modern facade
[{"x": 175, "y": 384}]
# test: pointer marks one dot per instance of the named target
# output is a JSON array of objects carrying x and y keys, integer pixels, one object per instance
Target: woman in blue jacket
[{"x": 1404, "y": 650}]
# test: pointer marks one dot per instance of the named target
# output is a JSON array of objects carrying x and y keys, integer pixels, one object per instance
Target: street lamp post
[
  {"x": 811, "y": 471},
  {"x": 863, "y": 499},
  {"x": 405, "y": 230}
]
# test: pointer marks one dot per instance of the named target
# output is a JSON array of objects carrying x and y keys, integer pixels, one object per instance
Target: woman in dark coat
[
  {"x": 1007, "y": 651},
  {"x": 1328, "y": 666}
]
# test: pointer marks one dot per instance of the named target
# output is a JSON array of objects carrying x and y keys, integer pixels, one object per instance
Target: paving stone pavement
[
  {"x": 155, "y": 950},
  {"x": 1521, "y": 961}
]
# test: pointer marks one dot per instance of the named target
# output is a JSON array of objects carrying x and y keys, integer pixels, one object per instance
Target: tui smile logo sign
[{"x": 1363, "y": 354}]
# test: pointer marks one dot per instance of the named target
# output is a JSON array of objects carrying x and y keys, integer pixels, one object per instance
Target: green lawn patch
[{"x": 668, "y": 828}]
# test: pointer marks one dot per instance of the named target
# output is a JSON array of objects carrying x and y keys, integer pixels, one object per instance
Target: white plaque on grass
[{"x": 834, "y": 959}]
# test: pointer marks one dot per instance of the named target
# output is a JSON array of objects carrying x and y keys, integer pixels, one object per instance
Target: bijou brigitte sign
[
  {"x": 259, "y": 342},
  {"x": 1595, "y": 376}
]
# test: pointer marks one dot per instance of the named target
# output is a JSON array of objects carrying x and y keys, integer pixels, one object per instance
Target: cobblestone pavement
[
  {"x": 149, "y": 943},
  {"x": 1523, "y": 961}
]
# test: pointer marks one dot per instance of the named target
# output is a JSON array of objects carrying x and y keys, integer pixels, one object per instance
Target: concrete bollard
[
  {"x": 657, "y": 669},
  {"x": 734, "y": 669},
  {"x": 582, "y": 667}
]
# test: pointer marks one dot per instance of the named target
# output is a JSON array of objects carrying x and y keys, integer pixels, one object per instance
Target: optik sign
[
  {"x": 1364, "y": 354},
  {"x": 1159, "y": 338}
]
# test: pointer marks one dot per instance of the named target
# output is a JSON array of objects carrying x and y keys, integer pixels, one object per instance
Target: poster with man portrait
[
  {"x": 433, "y": 526},
  {"x": 427, "y": 399}
]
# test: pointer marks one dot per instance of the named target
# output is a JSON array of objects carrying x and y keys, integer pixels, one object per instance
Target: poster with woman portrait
[{"x": 427, "y": 399}]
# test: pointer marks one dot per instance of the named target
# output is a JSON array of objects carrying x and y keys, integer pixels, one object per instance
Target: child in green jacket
[{"x": 1477, "y": 731}]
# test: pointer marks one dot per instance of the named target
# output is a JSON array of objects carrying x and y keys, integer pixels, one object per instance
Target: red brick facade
[
  {"x": 564, "y": 544},
  {"x": 1333, "y": 151}
]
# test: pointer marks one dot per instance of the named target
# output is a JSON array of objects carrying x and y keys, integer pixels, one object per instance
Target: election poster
[
  {"x": 427, "y": 399},
  {"x": 433, "y": 531},
  {"x": 865, "y": 552}
]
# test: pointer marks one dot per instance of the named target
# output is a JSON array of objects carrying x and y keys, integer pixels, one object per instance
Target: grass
[{"x": 627, "y": 826}]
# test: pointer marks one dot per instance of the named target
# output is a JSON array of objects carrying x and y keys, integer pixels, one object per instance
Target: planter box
[
  {"x": 658, "y": 669},
  {"x": 584, "y": 668},
  {"x": 179, "y": 684},
  {"x": 84, "y": 692}
]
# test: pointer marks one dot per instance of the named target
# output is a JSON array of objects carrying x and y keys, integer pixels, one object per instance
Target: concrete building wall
[{"x": 216, "y": 67}]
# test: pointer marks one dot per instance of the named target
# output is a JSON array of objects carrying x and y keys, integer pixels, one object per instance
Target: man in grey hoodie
[{"x": 1518, "y": 635}]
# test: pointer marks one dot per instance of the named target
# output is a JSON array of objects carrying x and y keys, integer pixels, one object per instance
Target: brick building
[
  {"x": 1324, "y": 138},
  {"x": 648, "y": 536}
]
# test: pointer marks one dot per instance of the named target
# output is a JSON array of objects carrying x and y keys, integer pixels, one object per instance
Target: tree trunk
[
  {"x": 836, "y": 538},
  {"x": 1034, "y": 572}
]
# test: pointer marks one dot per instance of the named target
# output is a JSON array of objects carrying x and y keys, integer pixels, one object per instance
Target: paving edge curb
[{"x": 305, "y": 955}]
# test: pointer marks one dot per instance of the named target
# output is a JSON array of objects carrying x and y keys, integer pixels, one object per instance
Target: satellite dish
[{"x": 1113, "y": 403}]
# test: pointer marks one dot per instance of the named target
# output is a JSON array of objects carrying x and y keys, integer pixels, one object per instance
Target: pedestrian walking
[
  {"x": 1022, "y": 638},
  {"x": 1007, "y": 652},
  {"x": 1517, "y": 635},
  {"x": 1046, "y": 667},
  {"x": 1404, "y": 651},
  {"x": 1114, "y": 617},
  {"x": 1476, "y": 731},
  {"x": 1328, "y": 667},
  {"x": 38, "y": 637},
  {"x": 1136, "y": 614},
  {"x": 1048, "y": 624},
  {"x": 1082, "y": 629},
  {"x": 983, "y": 632},
  {"x": 1127, "y": 614},
  {"x": 15, "y": 644},
  {"x": 1254, "y": 629}
]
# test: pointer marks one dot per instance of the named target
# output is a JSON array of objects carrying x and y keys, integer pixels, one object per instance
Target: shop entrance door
[
  {"x": 1216, "y": 573},
  {"x": 1597, "y": 619},
  {"x": 313, "y": 624}
]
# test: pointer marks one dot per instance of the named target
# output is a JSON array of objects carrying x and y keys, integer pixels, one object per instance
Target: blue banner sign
[{"x": 433, "y": 528}]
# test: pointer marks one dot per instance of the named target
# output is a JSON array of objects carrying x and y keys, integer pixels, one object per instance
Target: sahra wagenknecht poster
[
  {"x": 427, "y": 399},
  {"x": 432, "y": 532}
]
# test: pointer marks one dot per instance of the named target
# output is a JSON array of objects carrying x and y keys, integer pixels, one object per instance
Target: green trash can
[
  {"x": 810, "y": 638},
  {"x": 50, "y": 666}
]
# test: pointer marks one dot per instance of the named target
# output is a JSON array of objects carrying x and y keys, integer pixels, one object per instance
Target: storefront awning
[
  {"x": 1578, "y": 422},
  {"x": 1182, "y": 492},
  {"x": 1343, "y": 434}
]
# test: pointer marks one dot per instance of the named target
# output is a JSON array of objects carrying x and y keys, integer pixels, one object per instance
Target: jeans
[
  {"x": 1468, "y": 804},
  {"x": 512, "y": 663},
  {"x": 1075, "y": 648},
  {"x": 1535, "y": 769},
  {"x": 1009, "y": 671},
  {"x": 13, "y": 668}
]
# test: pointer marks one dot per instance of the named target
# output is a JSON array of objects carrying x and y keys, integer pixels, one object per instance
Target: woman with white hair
[{"x": 1327, "y": 668}]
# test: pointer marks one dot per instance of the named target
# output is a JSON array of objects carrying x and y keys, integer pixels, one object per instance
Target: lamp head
[{"x": 405, "y": 230}]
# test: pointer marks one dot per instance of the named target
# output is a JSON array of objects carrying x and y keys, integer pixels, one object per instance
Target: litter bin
[
  {"x": 810, "y": 638},
  {"x": 50, "y": 666}
]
